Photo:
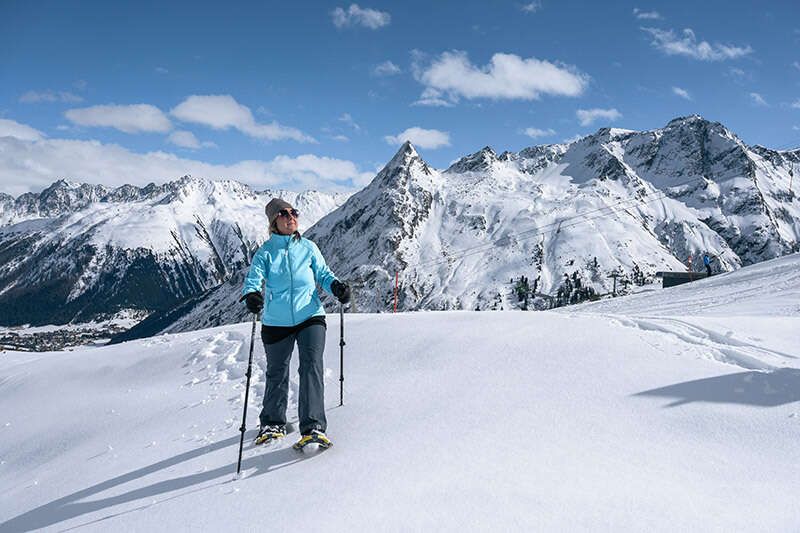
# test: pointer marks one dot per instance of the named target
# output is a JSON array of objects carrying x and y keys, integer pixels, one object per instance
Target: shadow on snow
[
  {"x": 761, "y": 389},
  {"x": 69, "y": 507}
]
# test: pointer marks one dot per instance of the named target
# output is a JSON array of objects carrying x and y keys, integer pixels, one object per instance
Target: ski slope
[{"x": 672, "y": 410}]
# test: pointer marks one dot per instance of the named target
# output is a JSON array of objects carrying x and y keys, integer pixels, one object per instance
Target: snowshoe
[
  {"x": 269, "y": 433},
  {"x": 315, "y": 437}
]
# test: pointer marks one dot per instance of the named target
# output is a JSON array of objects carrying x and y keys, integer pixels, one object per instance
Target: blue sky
[{"x": 320, "y": 95}]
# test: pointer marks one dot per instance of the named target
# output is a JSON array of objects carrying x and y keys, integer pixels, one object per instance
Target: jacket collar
[{"x": 283, "y": 240}]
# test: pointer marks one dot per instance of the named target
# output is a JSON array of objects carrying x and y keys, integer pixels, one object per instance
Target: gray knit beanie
[{"x": 273, "y": 208}]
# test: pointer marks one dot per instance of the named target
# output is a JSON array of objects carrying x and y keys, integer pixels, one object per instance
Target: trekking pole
[
  {"x": 341, "y": 354},
  {"x": 246, "y": 393}
]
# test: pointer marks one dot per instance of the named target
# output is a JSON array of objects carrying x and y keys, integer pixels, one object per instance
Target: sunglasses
[{"x": 287, "y": 212}]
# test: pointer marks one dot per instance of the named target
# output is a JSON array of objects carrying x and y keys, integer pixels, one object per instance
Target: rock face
[
  {"x": 618, "y": 202},
  {"x": 79, "y": 252}
]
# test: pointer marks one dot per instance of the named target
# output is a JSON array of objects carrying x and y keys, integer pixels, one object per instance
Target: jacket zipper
[{"x": 291, "y": 280}]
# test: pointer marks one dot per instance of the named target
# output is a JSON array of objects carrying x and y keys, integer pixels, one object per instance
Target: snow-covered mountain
[
  {"x": 618, "y": 201},
  {"x": 638, "y": 417},
  {"x": 77, "y": 252},
  {"x": 564, "y": 218}
]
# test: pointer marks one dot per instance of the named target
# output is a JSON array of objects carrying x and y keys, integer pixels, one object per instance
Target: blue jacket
[{"x": 292, "y": 267}]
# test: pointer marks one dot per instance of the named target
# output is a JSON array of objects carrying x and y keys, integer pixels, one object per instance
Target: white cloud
[
  {"x": 357, "y": 16},
  {"x": 646, "y": 15},
  {"x": 429, "y": 139},
  {"x": 187, "y": 139},
  {"x": 535, "y": 133},
  {"x": 531, "y": 7},
  {"x": 310, "y": 170},
  {"x": 23, "y": 132},
  {"x": 671, "y": 44},
  {"x": 223, "y": 112},
  {"x": 432, "y": 98},
  {"x": 347, "y": 119},
  {"x": 135, "y": 118},
  {"x": 32, "y": 164},
  {"x": 507, "y": 76},
  {"x": 683, "y": 93},
  {"x": 32, "y": 97},
  {"x": 589, "y": 116},
  {"x": 758, "y": 99},
  {"x": 341, "y": 138},
  {"x": 387, "y": 68},
  {"x": 162, "y": 70},
  {"x": 796, "y": 104},
  {"x": 796, "y": 128}
]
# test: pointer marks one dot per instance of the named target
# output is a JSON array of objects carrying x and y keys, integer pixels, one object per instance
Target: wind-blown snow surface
[{"x": 677, "y": 411}]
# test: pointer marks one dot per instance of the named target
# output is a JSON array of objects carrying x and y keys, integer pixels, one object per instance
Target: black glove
[
  {"x": 341, "y": 291},
  {"x": 254, "y": 302}
]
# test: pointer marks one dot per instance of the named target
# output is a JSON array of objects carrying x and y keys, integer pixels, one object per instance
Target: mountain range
[
  {"x": 616, "y": 203},
  {"x": 613, "y": 207},
  {"x": 80, "y": 252}
]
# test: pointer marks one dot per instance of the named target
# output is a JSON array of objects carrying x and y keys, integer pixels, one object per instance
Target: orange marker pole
[{"x": 396, "y": 281}]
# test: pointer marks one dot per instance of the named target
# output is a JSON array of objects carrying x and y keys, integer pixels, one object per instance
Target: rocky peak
[
  {"x": 185, "y": 187},
  {"x": 65, "y": 196},
  {"x": 534, "y": 158},
  {"x": 480, "y": 161},
  {"x": 403, "y": 167},
  {"x": 508, "y": 156},
  {"x": 605, "y": 135},
  {"x": 405, "y": 157},
  {"x": 689, "y": 120},
  {"x": 696, "y": 126}
]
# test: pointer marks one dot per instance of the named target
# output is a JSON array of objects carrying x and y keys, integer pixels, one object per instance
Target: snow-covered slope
[
  {"x": 76, "y": 252},
  {"x": 769, "y": 289},
  {"x": 452, "y": 421},
  {"x": 619, "y": 201}
]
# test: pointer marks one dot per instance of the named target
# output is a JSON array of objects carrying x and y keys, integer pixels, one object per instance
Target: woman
[{"x": 292, "y": 267}]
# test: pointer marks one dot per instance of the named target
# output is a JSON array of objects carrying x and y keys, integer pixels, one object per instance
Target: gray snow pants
[{"x": 310, "y": 339}]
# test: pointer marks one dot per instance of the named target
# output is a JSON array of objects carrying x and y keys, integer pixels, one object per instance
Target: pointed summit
[
  {"x": 406, "y": 160},
  {"x": 60, "y": 185},
  {"x": 404, "y": 156}
]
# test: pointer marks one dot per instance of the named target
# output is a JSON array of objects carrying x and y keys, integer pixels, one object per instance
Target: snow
[{"x": 667, "y": 410}]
